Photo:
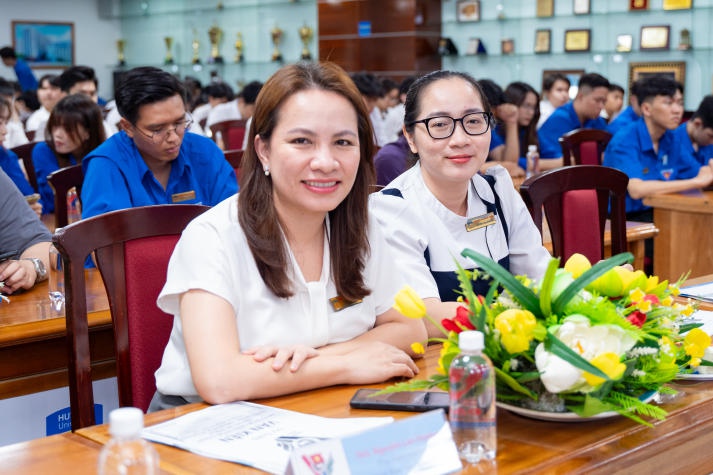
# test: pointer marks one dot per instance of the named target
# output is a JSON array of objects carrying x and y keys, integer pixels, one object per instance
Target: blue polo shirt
[
  {"x": 702, "y": 155},
  {"x": 11, "y": 166},
  {"x": 626, "y": 117},
  {"x": 45, "y": 163},
  {"x": 564, "y": 119},
  {"x": 116, "y": 176},
  {"x": 25, "y": 76},
  {"x": 632, "y": 151}
]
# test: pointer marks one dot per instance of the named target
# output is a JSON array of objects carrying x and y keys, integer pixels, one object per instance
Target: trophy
[
  {"x": 120, "y": 48},
  {"x": 216, "y": 35},
  {"x": 684, "y": 43},
  {"x": 195, "y": 44},
  {"x": 239, "y": 48},
  {"x": 306, "y": 34},
  {"x": 276, "y": 34},
  {"x": 169, "y": 56}
]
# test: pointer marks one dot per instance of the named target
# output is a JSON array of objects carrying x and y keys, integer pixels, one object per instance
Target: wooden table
[
  {"x": 63, "y": 453},
  {"x": 685, "y": 242},
  {"x": 681, "y": 444},
  {"x": 33, "y": 351},
  {"x": 636, "y": 233}
]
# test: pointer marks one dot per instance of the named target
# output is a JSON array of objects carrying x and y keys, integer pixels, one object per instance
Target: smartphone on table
[{"x": 412, "y": 401}]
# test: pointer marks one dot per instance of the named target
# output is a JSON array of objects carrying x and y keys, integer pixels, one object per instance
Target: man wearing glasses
[{"x": 154, "y": 160}]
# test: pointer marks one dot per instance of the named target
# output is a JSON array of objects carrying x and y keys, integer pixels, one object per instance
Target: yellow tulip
[
  {"x": 517, "y": 328},
  {"x": 577, "y": 264},
  {"x": 417, "y": 347},
  {"x": 609, "y": 364},
  {"x": 408, "y": 303},
  {"x": 696, "y": 342}
]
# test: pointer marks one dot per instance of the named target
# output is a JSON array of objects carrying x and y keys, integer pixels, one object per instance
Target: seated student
[
  {"x": 615, "y": 100},
  {"x": 371, "y": 91},
  {"x": 15, "y": 132},
  {"x": 48, "y": 94},
  {"x": 22, "y": 231},
  {"x": 504, "y": 146},
  {"x": 435, "y": 209},
  {"x": 216, "y": 94},
  {"x": 153, "y": 160},
  {"x": 9, "y": 162},
  {"x": 392, "y": 160},
  {"x": 527, "y": 100},
  {"x": 630, "y": 113},
  {"x": 83, "y": 80},
  {"x": 25, "y": 104},
  {"x": 695, "y": 136},
  {"x": 582, "y": 112},
  {"x": 73, "y": 130},
  {"x": 555, "y": 93},
  {"x": 647, "y": 150},
  {"x": 288, "y": 286}
]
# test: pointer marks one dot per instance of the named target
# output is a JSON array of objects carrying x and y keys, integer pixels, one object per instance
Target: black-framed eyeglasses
[
  {"x": 158, "y": 136},
  {"x": 442, "y": 127}
]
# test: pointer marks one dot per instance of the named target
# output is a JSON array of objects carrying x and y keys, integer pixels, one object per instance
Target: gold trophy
[
  {"x": 216, "y": 35},
  {"x": 195, "y": 44},
  {"x": 169, "y": 56},
  {"x": 306, "y": 33},
  {"x": 120, "y": 48},
  {"x": 276, "y": 34},
  {"x": 239, "y": 48}
]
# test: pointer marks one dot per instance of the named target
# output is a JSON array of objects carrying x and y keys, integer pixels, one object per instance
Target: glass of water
[{"x": 56, "y": 282}]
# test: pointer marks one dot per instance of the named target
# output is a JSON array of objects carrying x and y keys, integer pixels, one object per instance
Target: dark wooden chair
[
  {"x": 584, "y": 146},
  {"x": 132, "y": 249},
  {"x": 30, "y": 134},
  {"x": 24, "y": 153},
  {"x": 235, "y": 158},
  {"x": 232, "y": 133},
  {"x": 576, "y": 202},
  {"x": 62, "y": 181}
]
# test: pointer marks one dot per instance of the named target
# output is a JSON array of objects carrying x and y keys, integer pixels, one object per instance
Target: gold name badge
[
  {"x": 340, "y": 303},
  {"x": 480, "y": 222},
  {"x": 185, "y": 196}
]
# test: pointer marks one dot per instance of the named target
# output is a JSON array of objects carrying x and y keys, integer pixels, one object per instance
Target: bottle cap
[
  {"x": 532, "y": 148},
  {"x": 471, "y": 340},
  {"x": 126, "y": 422}
]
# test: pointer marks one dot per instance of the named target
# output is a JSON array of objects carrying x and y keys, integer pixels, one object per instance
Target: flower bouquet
[{"x": 584, "y": 339}]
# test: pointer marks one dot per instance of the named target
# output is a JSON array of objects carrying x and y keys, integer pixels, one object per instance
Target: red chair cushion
[
  {"x": 589, "y": 153},
  {"x": 580, "y": 218}
]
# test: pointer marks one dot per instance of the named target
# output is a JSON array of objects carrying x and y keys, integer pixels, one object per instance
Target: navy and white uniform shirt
[{"x": 427, "y": 238}]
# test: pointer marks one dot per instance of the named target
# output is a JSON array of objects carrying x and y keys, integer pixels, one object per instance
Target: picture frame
[
  {"x": 673, "y": 69},
  {"x": 637, "y": 5},
  {"x": 475, "y": 46},
  {"x": 507, "y": 46},
  {"x": 543, "y": 40},
  {"x": 577, "y": 41},
  {"x": 43, "y": 44},
  {"x": 581, "y": 7},
  {"x": 655, "y": 38},
  {"x": 468, "y": 10},
  {"x": 624, "y": 43},
  {"x": 677, "y": 4},
  {"x": 545, "y": 8}
]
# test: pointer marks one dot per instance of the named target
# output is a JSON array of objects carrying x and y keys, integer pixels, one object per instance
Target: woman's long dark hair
[
  {"x": 516, "y": 93},
  {"x": 69, "y": 113},
  {"x": 348, "y": 243}
]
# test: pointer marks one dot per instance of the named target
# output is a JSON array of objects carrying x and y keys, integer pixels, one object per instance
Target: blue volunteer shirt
[
  {"x": 701, "y": 156},
  {"x": 45, "y": 163},
  {"x": 564, "y": 119},
  {"x": 116, "y": 176},
  {"x": 632, "y": 152},
  {"x": 626, "y": 117},
  {"x": 11, "y": 166},
  {"x": 25, "y": 76}
]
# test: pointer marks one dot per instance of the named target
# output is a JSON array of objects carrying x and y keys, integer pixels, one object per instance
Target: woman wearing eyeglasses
[
  {"x": 442, "y": 205},
  {"x": 154, "y": 159}
]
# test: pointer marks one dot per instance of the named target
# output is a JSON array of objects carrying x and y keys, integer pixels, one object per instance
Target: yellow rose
[
  {"x": 609, "y": 364},
  {"x": 517, "y": 328},
  {"x": 408, "y": 303},
  {"x": 577, "y": 264}
]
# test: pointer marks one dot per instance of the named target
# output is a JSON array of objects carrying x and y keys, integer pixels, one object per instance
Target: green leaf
[
  {"x": 466, "y": 285},
  {"x": 546, "y": 288},
  {"x": 589, "y": 276},
  {"x": 555, "y": 346},
  {"x": 522, "y": 294},
  {"x": 513, "y": 384}
]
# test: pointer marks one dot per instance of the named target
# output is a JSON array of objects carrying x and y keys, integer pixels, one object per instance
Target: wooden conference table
[
  {"x": 33, "y": 351},
  {"x": 685, "y": 240}
]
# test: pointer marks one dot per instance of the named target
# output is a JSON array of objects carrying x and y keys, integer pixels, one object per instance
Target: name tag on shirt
[
  {"x": 480, "y": 222},
  {"x": 340, "y": 303},
  {"x": 185, "y": 196}
]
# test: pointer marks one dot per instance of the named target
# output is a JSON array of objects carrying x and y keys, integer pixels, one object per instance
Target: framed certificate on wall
[
  {"x": 543, "y": 41},
  {"x": 577, "y": 41},
  {"x": 655, "y": 38},
  {"x": 545, "y": 8},
  {"x": 677, "y": 4}
]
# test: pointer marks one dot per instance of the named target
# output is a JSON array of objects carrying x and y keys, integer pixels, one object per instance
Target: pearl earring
[{"x": 267, "y": 170}]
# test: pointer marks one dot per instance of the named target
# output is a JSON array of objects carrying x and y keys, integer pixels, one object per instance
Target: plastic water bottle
[
  {"x": 533, "y": 158},
  {"x": 56, "y": 282},
  {"x": 74, "y": 214},
  {"x": 472, "y": 395},
  {"x": 127, "y": 453}
]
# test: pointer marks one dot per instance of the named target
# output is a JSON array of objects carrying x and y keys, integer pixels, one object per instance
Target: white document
[
  {"x": 252, "y": 434},
  {"x": 700, "y": 292}
]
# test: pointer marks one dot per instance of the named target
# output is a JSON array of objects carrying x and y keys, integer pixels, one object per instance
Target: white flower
[{"x": 589, "y": 341}]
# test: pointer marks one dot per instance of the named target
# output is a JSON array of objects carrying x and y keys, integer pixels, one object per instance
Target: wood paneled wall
[{"x": 403, "y": 39}]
